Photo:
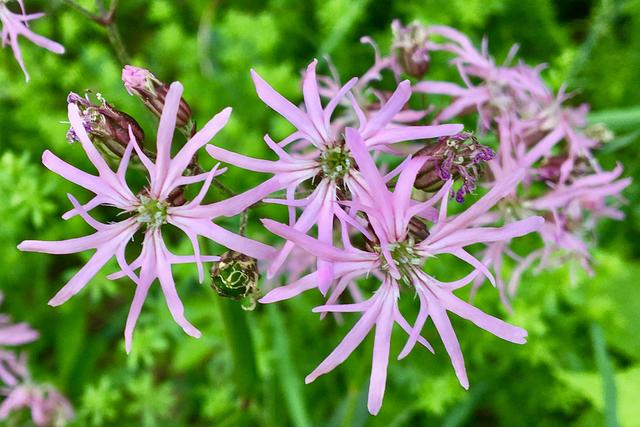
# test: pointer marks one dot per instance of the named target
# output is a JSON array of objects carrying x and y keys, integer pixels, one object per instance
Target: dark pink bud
[{"x": 153, "y": 92}]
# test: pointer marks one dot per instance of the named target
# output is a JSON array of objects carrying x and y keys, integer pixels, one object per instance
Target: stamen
[{"x": 152, "y": 213}]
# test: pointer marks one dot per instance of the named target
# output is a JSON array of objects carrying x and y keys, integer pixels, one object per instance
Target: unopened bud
[
  {"x": 153, "y": 92},
  {"x": 410, "y": 48},
  {"x": 107, "y": 127},
  {"x": 551, "y": 168},
  {"x": 418, "y": 229},
  {"x": 459, "y": 156},
  {"x": 236, "y": 276}
]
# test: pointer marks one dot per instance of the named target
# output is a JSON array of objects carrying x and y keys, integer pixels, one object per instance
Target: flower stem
[
  {"x": 609, "y": 391},
  {"x": 106, "y": 19},
  {"x": 238, "y": 335},
  {"x": 72, "y": 4},
  {"x": 109, "y": 22}
]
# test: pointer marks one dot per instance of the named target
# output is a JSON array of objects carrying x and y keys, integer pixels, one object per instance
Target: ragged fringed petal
[
  {"x": 15, "y": 25},
  {"x": 17, "y": 334},
  {"x": 258, "y": 165},
  {"x": 182, "y": 159},
  {"x": 233, "y": 205},
  {"x": 104, "y": 252},
  {"x": 411, "y": 133},
  {"x": 236, "y": 242},
  {"x": 312, "y": 100},
  {"x": 352, "y": 340},
  {"x": 166, "y": 129},
  {"x": 371, "y": 175},
  {"x": 388, "y": 111},
  {"x": 469, "y": 236},
  {"x": 313, "y": 246},
  {"x": 380, "y": 360},
  {"x": 165, "y": 277},
  {"x": 291, "y": 290},
  {"x": 500, "y": 190},
  {"x": 481, "y": 319},
  {"x": 449, "y": 339},
  {"x": 403, "y": 191},
  {"x": 285, "y": 108}
]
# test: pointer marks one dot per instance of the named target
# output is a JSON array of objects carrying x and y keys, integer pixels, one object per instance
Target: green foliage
[{"x": 172, "y": 379}]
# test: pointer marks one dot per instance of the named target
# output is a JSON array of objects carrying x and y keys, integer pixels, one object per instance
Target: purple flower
[
  {"x": 147, "y": 211},
  {"x": 321, "y": 156},
  {"x": 396, "y": 255},
  {"x": 16, "y": 24}
]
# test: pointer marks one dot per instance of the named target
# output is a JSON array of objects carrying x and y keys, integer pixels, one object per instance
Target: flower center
[
  {"x": 335, "y": 162},
  {"x": 404, "y": 257},
  {"x": 152, "y": 213}
]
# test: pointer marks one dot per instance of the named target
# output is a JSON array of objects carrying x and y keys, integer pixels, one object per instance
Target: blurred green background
[{"x": 581, "y": 365}]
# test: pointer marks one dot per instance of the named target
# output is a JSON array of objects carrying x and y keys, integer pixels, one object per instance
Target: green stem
[
  {"x": 116, "y": 41},
  {"x": 238, "y": 335},
  {"x": 105, "y": 19},
  {"x": 290, "y": 380},
  {"x": 606, "y": 371},
  {"x": 109, "y": 22},
  {"x": 72, "y": 4}
]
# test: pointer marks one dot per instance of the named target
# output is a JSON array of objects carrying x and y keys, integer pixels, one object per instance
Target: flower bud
[
  {"x": 453, "y": 157},
  {"x": 236, "y": 276},
  {"x": 409, "y": 47},
  {"x": 418, "y": 229},
  {"x": 551, "y": 169},
  {"x": 153, "y": 92},
  {"x": 107, "y": 127}
]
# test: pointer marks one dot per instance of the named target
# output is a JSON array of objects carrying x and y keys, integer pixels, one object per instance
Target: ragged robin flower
[
  {"x": 17, "y": 24},
  {"x": 148, "y": 211}
]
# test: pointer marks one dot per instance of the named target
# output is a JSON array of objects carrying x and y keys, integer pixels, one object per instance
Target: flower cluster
[
  {"x": 367, "y": 180},
  {"x": 147, "y": 211},
  {"x": 48, "y": 407},
  {"x": 536, "y": 132}
]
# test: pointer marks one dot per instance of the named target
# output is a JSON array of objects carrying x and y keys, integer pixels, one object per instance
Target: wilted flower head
[
  {"x": 107, "y": 127},
  {"x": 153, "y": 93},
  {"x": 395, "y": 257},
  {"x": 148, "y": 211},
  {"x": 410, "y": 47},
  {"x": 451, "y": 157},
  {"x": 15, "y": 25},
  {"x": 48, "y": 407}
]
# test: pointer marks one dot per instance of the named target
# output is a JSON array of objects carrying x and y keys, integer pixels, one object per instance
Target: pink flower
[
  {"x": 16, "y": 24},
  {"x": 321, "y": 156},
  {"x": 15, "y": 333},
  {"x": 148, "y": 211},
  {"x": 48, "y": 407},
  {"x": 396, "y": 255}
]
